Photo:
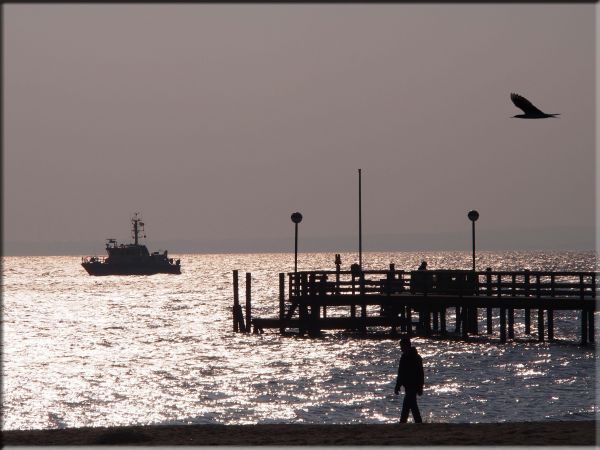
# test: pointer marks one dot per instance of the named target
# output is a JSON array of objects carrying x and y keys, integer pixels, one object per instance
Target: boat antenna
[{"x": 138, "y": 227}]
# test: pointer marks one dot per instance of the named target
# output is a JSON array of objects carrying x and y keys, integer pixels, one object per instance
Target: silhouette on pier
[{"x": 531, "y": 112}]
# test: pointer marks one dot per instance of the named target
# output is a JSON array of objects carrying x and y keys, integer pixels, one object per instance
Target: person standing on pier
[{"x": 411, "y": 376}]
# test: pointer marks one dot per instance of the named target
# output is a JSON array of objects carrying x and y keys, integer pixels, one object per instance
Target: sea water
[{"x": 83, "y": 351}]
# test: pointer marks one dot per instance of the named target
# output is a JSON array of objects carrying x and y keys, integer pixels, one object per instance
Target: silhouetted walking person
[
  {"x": 411, "y": 376},
  {"x": 531, "y": 112}
]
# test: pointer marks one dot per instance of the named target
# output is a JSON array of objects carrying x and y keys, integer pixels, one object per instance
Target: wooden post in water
[
  {"x": 591, "y": 329},
  {"x": 281, "y": 302},
  {"x": 457, "y": 320},
  {"x": 550, "y": 324},
  {"x": 511, "y": 311},
  {"x": 473, "y": 316},
  {"x": 314, "y": 328},
  {"x": 338, "y": 264},
  {"x": 488, "y": 281},
  {"x": 323, "y": 292},
  {"x": 303, "y": 319},
  {"x": 363, "y": 309},
  {"x": 502, "y": 325},
  {"x": 551, "y": 311},
  {"x": 303, "y": 308},
  {"x": 236, "y": 301},
  {"x": 465, "y": 322},
  {"x": 527, "y": 310},
  {"x": 540, "y": 311},
  {"x": 584, "y": 323},
  {"x": 248, "y": 301},
  {"x": 392, "y": 308},
  {"x": 541, "y": 324},
  {"x": 353, "y": 307},
  {"x": 424, "y": 314},
  {"x": 502, "y": 311},
  {"x": 427, "y": 320},
  {"x": 443, "y": 321}
]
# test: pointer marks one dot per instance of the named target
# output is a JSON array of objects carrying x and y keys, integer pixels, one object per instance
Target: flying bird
[{"x": 531, "y": 112}]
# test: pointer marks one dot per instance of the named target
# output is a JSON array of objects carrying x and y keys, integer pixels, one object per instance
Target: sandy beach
[{"x": 525, "y": 433}]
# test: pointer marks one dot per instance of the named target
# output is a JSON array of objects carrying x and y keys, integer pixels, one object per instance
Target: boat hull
[{"x": 100, "y": 269}]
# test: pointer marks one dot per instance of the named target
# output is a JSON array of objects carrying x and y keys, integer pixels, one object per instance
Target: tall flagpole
[{"x": 359, "y": 220}]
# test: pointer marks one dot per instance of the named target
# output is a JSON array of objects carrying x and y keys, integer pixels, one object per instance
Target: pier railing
[{"x": 444, "y": 282}]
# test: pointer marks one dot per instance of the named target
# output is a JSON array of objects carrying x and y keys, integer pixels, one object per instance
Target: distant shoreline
[
  {"x": 101, "y": 252},
  {"x": 508, "y": 433}
]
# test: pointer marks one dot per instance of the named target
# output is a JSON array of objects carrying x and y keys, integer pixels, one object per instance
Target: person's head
[{"x": 404, "y": 344}]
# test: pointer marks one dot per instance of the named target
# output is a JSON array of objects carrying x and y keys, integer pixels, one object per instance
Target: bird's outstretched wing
[{"x": 524, "y": 104}]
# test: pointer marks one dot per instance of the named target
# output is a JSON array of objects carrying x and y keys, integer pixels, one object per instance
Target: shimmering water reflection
[{"x": 88, "y": 351}]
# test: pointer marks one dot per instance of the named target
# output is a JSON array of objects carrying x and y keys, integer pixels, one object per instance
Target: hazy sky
[{"x": 216, "y": 122}]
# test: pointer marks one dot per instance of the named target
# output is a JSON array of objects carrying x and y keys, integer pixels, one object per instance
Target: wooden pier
[{"x": 423, "y": 302}]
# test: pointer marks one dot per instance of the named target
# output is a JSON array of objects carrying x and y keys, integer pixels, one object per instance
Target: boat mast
[{"x": 137, "y": 223}]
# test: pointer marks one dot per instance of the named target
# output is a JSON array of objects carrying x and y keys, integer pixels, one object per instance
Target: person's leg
[
  {"x": 405, "y": 409},
  {"x": 415, "y": 411},
  {"x": 411, "y": 402}
]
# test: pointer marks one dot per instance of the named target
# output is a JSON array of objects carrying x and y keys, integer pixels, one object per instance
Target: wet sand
[{"x": 523, "y": 433}]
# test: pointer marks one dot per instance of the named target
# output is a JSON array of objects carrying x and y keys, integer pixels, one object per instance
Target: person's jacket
[{"x": 410, "y": 371}]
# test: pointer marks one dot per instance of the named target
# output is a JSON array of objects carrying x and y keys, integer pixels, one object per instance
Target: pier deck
[{"x": 418, "y": 301}]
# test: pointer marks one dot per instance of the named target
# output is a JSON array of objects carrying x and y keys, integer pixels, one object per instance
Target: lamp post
[
  {"x": 359, "y": 219},
  {"x": 473, "y": 215},
  {"x": 296, "y": 218}
]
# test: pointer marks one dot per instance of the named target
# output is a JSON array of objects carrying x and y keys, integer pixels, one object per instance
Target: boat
[{"x": 131, "y": 259}]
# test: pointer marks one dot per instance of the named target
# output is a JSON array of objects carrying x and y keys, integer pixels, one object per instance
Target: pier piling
[
  {"x": 236, "y": 301},
  {"x": 488, "y": 284},
  {"x": 248, "y": 301},
  {"x": 353, "y": 307},
  {"x": 443, "y": 321},
  {"x": 503, "y": 325},
  {"x": 281, "y": 303},
  {"x": 584, "y": 323},
  {"x": 527, "y": 310},
  {"x": 457, "y": 320},
  {"x": 363, "y": 306}
]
